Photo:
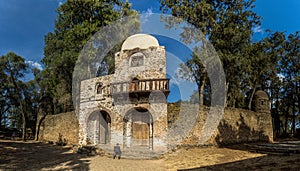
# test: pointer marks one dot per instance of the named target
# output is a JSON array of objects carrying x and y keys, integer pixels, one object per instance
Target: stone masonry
[
  {"x": 128, "y": 107},
  {"x": 61, "y": 127}
]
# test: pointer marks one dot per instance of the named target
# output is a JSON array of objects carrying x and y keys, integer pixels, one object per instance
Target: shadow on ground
[
  {"x": 17, "y": 155},
  {"x": 277, "y": 156},
  {"x": 268, "y": 162}
]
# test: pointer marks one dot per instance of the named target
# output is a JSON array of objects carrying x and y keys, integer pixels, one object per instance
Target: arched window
[
  {"x": 99, "y": 87},
  {"x": 137, "y": 59}
]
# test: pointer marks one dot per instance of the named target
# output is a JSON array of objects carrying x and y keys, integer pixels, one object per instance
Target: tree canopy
[
  {"x": 19, "y": 98},
  {"x": 270, "y": 64},
  {"x": 76, "y": 23}
]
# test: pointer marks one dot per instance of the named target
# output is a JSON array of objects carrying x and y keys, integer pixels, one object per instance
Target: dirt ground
[{"x": 16, "y": 155}]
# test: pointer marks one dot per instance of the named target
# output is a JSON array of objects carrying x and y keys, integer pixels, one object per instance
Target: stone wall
[
  {"x": 58, "y": 127},
  {"x": 236, "y": 126},
  {"x": 141, "y": 64}
]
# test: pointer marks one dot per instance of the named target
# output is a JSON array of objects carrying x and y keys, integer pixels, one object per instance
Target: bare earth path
[{"x": 15, "y": 155}]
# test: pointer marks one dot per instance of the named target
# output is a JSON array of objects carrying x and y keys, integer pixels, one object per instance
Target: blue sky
[
  {"x": 278, "y": 15},
  {"x": 24, "y": 23}
]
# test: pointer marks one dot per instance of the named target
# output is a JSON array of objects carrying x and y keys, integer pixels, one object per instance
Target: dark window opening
[{"x": 99, "y": 88}]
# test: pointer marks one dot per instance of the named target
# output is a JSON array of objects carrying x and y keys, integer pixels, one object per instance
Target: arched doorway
[
  {"x": 98, "y": 128},
  {"x": 138, "y": 128}
]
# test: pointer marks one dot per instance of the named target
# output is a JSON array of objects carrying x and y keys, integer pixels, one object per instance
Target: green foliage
[
  {"x": 271, "y": 64},
  {"x": 228, "y": 26},
  {"x": 195, "y": 71},
  {"x": 289, "y": 104},
  {"x": 13, "y": 68},
  {"x": 21, "y": 98},
  {"x": 107, "y": 65},
  {"x": 76, "y": 23},
  {"x": 260, "y": 65}
]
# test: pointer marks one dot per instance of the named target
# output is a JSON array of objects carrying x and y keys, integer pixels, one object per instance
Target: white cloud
[
  {"x": 60, "y": 2},
  {"x": 258, "y": 29},
  {"x": 34, "y": 65},
  {"x": 149, "y": 12},
  {"x": 146, "y": 15}
]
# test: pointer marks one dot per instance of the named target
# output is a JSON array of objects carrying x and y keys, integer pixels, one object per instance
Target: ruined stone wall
[
  {"x": 64, "y": 126},
  {"x": 236, "y": 126}
]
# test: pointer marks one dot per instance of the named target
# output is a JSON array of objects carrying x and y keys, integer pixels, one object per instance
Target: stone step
[{"x": 135, "y": 153}]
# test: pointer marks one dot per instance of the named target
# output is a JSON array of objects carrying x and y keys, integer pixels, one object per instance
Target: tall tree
[
  {"x": 4, "y": 101},
  {"x": 261, "y": 67},
  {"x": 194, "y": 70},
  {"x": 14, "y": 67},
  {"x": 228, "y": 25},
  {"x": 76, "y": 23},
  {"x": 290, "y": 70},
  {"x": 32, "y": 95}
]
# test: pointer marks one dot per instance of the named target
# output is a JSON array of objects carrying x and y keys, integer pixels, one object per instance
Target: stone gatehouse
[{"x": 128, "y": 107}]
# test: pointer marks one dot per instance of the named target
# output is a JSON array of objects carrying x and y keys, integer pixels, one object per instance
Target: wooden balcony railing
[{"x": 137, "y": 86}]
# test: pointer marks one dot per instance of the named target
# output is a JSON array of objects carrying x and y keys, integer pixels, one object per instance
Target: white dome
[{"x": 142, "y": 41}]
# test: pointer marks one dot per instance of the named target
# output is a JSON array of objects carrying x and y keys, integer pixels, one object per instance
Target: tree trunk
[
  {"x": 23, "y": 127},
  {"x": 201, "y": 91},
  {"x": 286, "y": 120},
  {"x": 298, "y": 97},
  {"x": 293, "y": 113},
  {"x": 226, "y": 94},
  {"x": 38, "y": 126},
  {"x": 251, "y": 97},
  {"x": 22, "y": 106},
  {"x": 2, "y": 117},
  {"x": 276, "y": 117},
  {"x": 293, "y": 119}
]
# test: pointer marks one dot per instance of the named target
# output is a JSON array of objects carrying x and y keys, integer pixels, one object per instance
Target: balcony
[{"x": 138, "y": 91}]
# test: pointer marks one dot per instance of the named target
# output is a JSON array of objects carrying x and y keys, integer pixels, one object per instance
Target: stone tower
[
  {"x": 261, "y": 102},
  {"x": 128, "y": 107},
  {"x": 261, "y": 105}
]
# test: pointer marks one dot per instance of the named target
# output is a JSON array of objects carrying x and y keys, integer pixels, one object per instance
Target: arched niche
[
  {"x": 98, "y": 127},
  {"x": 138, "y": 128}
]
